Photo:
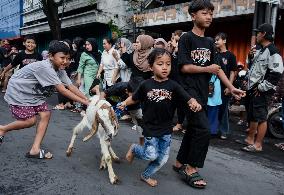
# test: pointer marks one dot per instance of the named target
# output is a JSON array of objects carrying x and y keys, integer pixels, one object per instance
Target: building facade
[
  {"x": 10, "y": 18},
  {"x": 80, "y": 18},
  {"x": 234, "y": 17}
]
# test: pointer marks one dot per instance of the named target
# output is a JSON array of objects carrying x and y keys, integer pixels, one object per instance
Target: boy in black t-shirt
[
  {"x": 196, "y": 61},
  {"x": 25, "y": 57},
  {"x": 159, "y": 97},
  {"x": 227, "y": 61}
]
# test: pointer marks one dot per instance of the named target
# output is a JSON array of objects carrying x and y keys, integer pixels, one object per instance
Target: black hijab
[{"x": 95, "y": 51}]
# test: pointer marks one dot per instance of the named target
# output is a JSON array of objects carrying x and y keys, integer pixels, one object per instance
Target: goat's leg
[
  {"x": 103, "y": 163},
  {"x": 113, "y": 155},
  {"x": 79, "y": 128},
  {"x": 106, "y": 155}
]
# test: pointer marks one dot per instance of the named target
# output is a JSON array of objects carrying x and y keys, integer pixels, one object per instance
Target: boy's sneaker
[{"x": 223, "y": 137}]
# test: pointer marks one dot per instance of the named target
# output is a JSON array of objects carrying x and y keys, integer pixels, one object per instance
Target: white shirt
[{"x": 108, "y": 60}]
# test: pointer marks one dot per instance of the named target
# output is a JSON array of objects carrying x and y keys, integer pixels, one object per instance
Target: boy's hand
[
  {"x": 122, "y": 105},
  {"x": 98, "y": 76},
  {"x": 213, "y": 68},
  {"x": 237, "y": 93},
  {"x": 194, "y": 105}
]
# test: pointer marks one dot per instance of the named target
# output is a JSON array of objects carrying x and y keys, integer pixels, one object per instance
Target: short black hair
[
  {"x": 56, "y": 46},
  {"x": 222, "y": 35},
  {"x": 109, "y": 40},
  {"x": 196, "y": 5},
  {"x": 156, "y": 53},
  {"x": 29, "y": 37}
]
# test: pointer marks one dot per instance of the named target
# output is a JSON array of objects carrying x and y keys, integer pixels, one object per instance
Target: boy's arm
[
  {"x": 192, "y": 103},
  {"x": 129, "y": 101},
  {"x": 76, "y": 91},
  {"x": 67, "y": 93},
  {"x": 237, "y": 93}
]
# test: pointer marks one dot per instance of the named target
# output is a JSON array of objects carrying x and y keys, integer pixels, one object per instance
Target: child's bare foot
[
  {"x": 178, "y": 127},
  {"x": 151, "y": 182},
  {"x": 129, "y": 155}
]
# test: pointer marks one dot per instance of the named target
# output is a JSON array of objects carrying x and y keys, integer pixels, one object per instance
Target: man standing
[{"x": 265, "y": 72}]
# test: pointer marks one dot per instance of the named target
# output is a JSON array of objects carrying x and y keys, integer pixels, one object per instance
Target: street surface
[{"x": 227, "y": 169}]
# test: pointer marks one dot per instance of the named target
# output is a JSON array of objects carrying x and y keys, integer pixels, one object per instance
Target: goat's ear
[{"x": 93, "y": 130}]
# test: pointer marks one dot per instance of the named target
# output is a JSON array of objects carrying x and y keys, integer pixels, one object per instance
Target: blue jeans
[
  {"x": 156, "y": 150},
  {"x": 224, "y": 126}
]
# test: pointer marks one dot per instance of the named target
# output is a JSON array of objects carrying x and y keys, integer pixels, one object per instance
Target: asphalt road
[{"x": 227, "y": 169}]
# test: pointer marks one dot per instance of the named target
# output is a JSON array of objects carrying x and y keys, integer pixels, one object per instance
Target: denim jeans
[
  {"x": 224, "y": 126},
  {"x": 156, "y": 150}
]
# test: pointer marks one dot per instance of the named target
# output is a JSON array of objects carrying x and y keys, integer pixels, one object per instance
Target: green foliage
[
  {"x": 114, "y": 28},
  {"x": 92, "y": 2}
]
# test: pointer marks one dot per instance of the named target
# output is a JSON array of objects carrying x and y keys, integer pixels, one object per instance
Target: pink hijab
[{"x": 140, "y": 56}]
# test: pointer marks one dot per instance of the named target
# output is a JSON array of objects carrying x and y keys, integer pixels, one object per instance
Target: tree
[{"x": 50, "y": 9}]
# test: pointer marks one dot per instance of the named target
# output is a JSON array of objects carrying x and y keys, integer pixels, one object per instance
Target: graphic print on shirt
[
  {"x": 159, "y": 95},
  {"x": 28, "y": 61},
  {"x": 225, "y": 61},
  {"x": 201, "y": 55}
]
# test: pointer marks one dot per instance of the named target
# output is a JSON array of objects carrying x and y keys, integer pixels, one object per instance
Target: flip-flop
[
  {"x": 1, "y": 139},
  {"x": 179, "y": 169},
  {"x": 242, "y": 141},
  {"x": 41, "y": 155},
  {"x": 280, "y": 146},
  {"x": 194, "y": 177},
  {"x": 251, "y": 148}
]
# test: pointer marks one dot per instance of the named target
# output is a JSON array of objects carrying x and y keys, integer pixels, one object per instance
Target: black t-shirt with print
[
  {"x": 159, "y": 101},
  {"x": 199, "y": 51},
  {"x": 227, "y": 61},
  {"x": 24, "y": 59}
]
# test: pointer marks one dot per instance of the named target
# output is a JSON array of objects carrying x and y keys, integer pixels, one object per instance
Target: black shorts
[{"x": 258, "y": 107}]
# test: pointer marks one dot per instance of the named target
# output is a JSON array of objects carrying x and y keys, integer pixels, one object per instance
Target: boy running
[{"x": 28, "y": 89}]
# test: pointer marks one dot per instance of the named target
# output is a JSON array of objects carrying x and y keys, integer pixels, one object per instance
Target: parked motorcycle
[{"x": 275, "y": 120}]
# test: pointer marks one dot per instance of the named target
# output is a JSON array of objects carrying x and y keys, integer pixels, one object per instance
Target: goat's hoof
[
  {"x": 69, "y": 151},
  {"x": 116, "y": 160},
  {"x": 114, "y": 180},
  {"x": 102, "y": 167}
]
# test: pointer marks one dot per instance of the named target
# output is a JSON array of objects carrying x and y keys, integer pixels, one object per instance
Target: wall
[{"x": 10, "y": 18}]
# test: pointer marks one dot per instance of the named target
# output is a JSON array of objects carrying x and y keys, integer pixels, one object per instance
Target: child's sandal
[{"x": 1, "y": 139}]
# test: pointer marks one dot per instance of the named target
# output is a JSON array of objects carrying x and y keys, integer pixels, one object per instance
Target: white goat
[{"x": 100, "y": 117}]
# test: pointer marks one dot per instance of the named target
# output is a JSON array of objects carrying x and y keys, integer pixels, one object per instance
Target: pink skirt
[{"x": 27, "y": 112}]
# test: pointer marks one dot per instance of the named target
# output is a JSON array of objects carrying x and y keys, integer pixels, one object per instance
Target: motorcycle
[{"x": 275, "y": 120}]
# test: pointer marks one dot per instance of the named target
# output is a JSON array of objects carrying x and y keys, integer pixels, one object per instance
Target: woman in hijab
[
  {"x": 88, "y": 65},
  {"x": 138, "y": 61},
  {"x": 125, "y": 49}
]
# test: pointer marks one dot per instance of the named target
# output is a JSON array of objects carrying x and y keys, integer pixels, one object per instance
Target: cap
[{"x": 265, "y": 28}]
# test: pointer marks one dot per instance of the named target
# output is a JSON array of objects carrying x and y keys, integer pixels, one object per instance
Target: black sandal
[
  {"x": 194, "y": 177},
  {"x": 41, "y": 155},
  {"x": 179, "y": 169},
  {"x": 1, "y": 139}
]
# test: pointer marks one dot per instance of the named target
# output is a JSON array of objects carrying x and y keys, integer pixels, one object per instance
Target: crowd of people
[{"x": 191, "y": 74}]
